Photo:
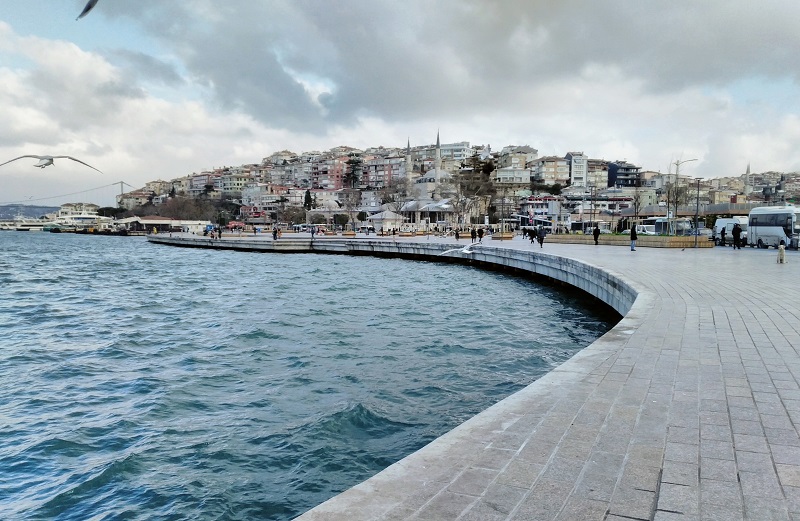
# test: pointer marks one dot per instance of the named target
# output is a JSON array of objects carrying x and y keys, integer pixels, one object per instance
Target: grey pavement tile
[
  {"x": 502, "y": 498},
  {"x": 714, "y": 418},
  {"x": 491, "y": 458},
  {"x": 792, "y": 498},
  {"x": 716, "y": 449},
  {"x": 754, "y": 461},
  {"x": 760, "y": 484},
  {"x": 716, "y": 432},
  {"x": 713, "y": 405},
  {"x": 777, "y": 421},
  {"x": 544, "y": 502},
  {"x": 688, "y": 435},
  {"x": 583, "y": 508},
  {"x": 520, "y": 473},
  {"x": 765, "y": 509},
  {"x": 641, "y": 477},
  {"x": 482, "y": 512},
  {"x": 679, "y": 499},
  {"x": 750, "y": 443},
  {"x": 789, "y": 455},
  {"x": 718, "y": 469},
  {"x": 633, "y": 503},
  {"x": 714, "y": 492},
  {"x": 679, "y": 473},
  {"x": 782, "y": 436},
  {"x": 472, "y": 482},
  {"x": 682, "y": 452},
  {"x": 788, "y": 475},
  {"x": 738, "y": 391},
  {"x": 745, "y": 413},
  {"x": 721, "y": 513},
  {"x": 446, "y": 505},
  {"x": 746, "y": 427}
]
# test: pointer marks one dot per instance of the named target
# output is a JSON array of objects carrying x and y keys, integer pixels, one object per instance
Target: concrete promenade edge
[{"x": 685, "y": 410}]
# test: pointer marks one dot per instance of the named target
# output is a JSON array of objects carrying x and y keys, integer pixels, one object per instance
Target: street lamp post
[
  {"x": 677, "y": 164},
  {"x": 696, "y": 213}
]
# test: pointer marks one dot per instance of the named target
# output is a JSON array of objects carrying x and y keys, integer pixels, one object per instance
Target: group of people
[
  {"x": 536, "y": 234},
  {"x": 736, "y": 232}
]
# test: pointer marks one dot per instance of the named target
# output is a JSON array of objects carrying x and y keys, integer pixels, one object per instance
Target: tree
[
  {"x": 350, "y": 199},
  {"x": 394, "y": 193},
  {"x": 294, "y": 215},
  {"x": 362, "y": 216},
  {"x": 471, "y": 189},
  {"x": 308, "y": 203},
  {"x": 352, "y": 174},
  {"x": 341, "y": 219},
  {"x": 317, "y": 219}
]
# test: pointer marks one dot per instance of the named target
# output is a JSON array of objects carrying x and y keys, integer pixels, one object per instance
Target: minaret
[
  {"x": 748, "y": 187},
  {"x": 409, "y": 161},
  {"x": 438, "y": 165}
]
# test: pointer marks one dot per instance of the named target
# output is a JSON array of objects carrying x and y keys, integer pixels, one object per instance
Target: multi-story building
[
  {"x": 578, "y": 168},
  {"x": 158, "y": 187},
  {"x": 516, "y": 156},
  {"x": 510, "y": 180},
  {"x": 550, "y": 170},
  {"x": 623, "y": 174}
]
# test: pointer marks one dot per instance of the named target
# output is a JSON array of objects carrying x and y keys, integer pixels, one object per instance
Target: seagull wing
[
  {"x": 20, "y": 157},
  {"x": 89, "y": 7},
  {"x": 78, "y": 160}
]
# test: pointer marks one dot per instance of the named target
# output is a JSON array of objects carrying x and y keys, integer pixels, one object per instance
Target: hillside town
[{"x": 454, "y": 185}]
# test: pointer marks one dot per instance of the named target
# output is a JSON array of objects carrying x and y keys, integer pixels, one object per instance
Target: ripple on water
[{"x": 143, "y": 382}]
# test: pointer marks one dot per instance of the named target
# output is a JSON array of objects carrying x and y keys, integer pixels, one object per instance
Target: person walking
[
  {"x": 480, "y": 234},
  {"x": 275, "y": 233},
  {"x": 737, "y": 236},
  {"x": 456, "y": 232},
  {"x": 633, "y": 238},
  {"x": 596, "y": 233},
  {"x": 540, "y": 235},
  {"x": 473, "y": 234},
  {"x": 722, "y": 236}
]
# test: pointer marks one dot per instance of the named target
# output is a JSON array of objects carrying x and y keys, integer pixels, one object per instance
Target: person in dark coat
[
  {"x": 540, "y": 235},
  {"x": 737, "y": 236},
  {"x": 722, "y": 233},
  {"x": 480, "y": 234},
  {"x": 596, "y": 234},
  {"x": 633, "y": 238},
  {"x": 473, "y": 234}
]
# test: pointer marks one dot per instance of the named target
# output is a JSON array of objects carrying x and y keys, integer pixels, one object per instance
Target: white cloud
[{"x": 650, "y": 82}]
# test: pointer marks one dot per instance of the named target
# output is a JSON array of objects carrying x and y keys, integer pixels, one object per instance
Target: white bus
[{"x": 769, "y": 225}]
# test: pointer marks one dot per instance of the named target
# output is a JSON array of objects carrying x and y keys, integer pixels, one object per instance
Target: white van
[{"x": 727, "y": 224}]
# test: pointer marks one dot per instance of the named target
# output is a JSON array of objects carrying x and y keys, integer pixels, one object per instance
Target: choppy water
[{"x": 146, "y": 382}]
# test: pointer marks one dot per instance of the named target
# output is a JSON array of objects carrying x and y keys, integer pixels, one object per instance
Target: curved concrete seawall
[{"x": 686, "y": 409}]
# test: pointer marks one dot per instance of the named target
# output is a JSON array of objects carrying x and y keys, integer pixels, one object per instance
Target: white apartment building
[{"x": 578, "y": 168}]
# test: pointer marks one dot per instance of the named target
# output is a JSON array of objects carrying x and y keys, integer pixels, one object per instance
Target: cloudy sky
[{"x": 156, "y": 89}]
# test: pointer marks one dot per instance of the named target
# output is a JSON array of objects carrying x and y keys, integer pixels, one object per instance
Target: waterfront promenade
[{"x": 685, "y": 410}]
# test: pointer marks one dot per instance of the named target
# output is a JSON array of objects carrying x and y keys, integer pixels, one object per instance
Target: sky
[{"x": 158, "y": 89}]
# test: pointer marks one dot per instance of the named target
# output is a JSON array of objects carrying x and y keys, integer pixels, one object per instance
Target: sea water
[{"x": 146, "y": 382}]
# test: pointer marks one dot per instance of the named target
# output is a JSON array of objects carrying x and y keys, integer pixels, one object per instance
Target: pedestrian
[
  {"x": 456, "y": 232},
  {"x": 274, "y": 233},
  {"x": 540, "y": 235},
  {"x": 473, "y": 234},
  {"x": 782, "y": 252},
  {"x": 532, "y": 234},
  {"x": 737, "y": 236},
  {"x": 633, "y": 238},
  {"x": 313, "y": 232},
  {"x": 596, "y": 233},
  {"x": 480, "y": 234},
  {"x": 722, "y": 237}
]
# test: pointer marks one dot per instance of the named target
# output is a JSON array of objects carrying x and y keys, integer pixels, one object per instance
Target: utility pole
[{"x": 677, "y": 164}]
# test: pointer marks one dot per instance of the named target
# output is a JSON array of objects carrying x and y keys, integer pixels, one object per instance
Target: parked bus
[{"x": 769, "y": 225}]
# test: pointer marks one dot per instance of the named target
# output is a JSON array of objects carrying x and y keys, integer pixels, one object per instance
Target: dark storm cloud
[{"x": 403, "y": 61}]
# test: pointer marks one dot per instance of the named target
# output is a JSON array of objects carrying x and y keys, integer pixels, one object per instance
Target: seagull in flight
[
  {"x": 465, "y": 250},
  {"x": 86, "y": 9},
  {"x": 48, "y": 160}
]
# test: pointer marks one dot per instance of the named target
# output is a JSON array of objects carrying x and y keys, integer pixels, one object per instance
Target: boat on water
[{"x": 30, "y": 225}]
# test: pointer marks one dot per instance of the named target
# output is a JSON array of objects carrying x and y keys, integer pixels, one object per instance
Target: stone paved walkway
[{"x": 688, "y": 409}]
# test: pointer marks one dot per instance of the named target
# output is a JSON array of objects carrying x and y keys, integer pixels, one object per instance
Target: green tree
[
  {"x": 341, "y": 219},
  {"x": 352, "y": 174},
  {"x": 362, "y": 216},
  {"x": 308, "y": 202}
]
